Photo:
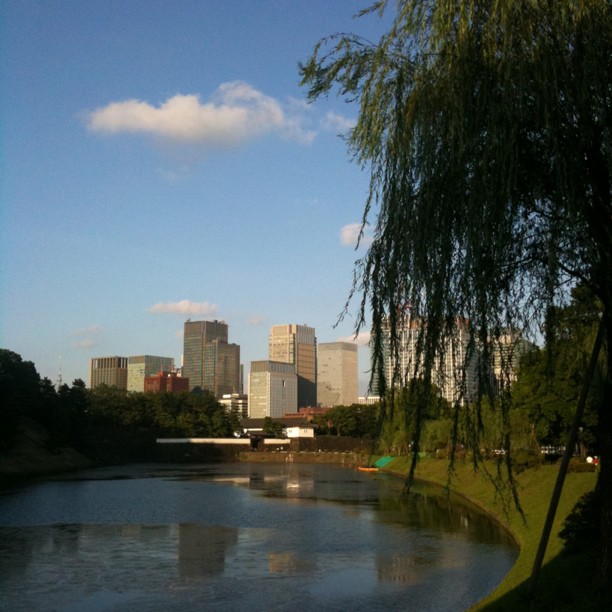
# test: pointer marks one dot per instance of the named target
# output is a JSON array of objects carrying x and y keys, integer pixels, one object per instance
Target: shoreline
[{"x": 535, "y": 488}]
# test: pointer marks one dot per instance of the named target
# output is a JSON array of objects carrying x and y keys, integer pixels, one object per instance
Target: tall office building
[
  {"x": 221, "y": 371},
  {"x": 297, "y": 344},
  {"x": 141, "y": 366},
  {"x": 454, "y": 371},
  {"x": 209, "y": 361},
  {"x": 111, "y": 371},
  {"x": 273, "y": 389},
  {"x": 337, "y": 374}
]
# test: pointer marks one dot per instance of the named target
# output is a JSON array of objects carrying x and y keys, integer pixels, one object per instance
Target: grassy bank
[{"x": 567, "y": 582}]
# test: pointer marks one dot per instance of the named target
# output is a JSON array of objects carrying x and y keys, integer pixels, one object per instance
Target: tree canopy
[{"x": 486, "y": 128}]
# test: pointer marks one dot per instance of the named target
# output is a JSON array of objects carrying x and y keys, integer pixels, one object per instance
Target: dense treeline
[{"x": 74, "y": 414}]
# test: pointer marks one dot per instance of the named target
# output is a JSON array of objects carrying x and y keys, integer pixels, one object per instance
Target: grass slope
[{"x": 567, "y": 582}]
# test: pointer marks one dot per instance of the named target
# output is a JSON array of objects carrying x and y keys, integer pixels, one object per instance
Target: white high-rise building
[
  {"x": 337, "y": 374},
  {"x": 453, "y": 372},
  {"x": 507, "y": 351},
  {"x": 272, "y": 389}
]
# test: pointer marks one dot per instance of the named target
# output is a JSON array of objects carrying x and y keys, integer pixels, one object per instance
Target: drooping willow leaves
[{"x": 486, "y": 129}]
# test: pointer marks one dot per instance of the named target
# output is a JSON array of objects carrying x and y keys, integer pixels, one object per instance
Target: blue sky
[{"x": 159, "y": 162}]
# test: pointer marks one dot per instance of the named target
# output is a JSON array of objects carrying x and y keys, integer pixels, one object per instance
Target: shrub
[
  {"x": 523, "y": 459},
  {"x": 577, "y": 465},
  {"x": 581, "y": 529}
]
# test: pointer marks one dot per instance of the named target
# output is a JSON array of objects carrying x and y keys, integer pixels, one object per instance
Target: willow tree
[{"x": 486, "y": 129}]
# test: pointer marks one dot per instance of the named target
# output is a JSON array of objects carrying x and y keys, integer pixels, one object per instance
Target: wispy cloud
[
  {"x": 185, "y": 307},
  {"x": 333, "y": 122},
  {"x": 349, "y": 236},
  {"x": 256, "y": 320},
  {"x": 235, "y": 114},
  {"x": 85, "y": 343},
  {"x": 86, "y": 331},
  {"x": 86, "y": 337}
]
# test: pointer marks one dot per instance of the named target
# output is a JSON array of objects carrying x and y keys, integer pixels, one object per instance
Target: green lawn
[{"x": 566, "y": 581}]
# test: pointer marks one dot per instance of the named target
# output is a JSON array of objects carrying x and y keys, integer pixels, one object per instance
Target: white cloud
[
  {"x": 362, "y": 339},
  {"x": 349, "y": 236},
  {"x": 337, "y": 123},
  {"x": 235, "y": 114},
  {"x": 185, "y": 307}
]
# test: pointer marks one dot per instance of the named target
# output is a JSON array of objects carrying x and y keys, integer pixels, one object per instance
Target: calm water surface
[{"x": 242, "y": 537}]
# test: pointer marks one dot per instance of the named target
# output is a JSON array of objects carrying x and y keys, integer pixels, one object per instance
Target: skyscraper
[
  {"x": 140, "y": 366},
  {"x": 454, "y": 370},
  {"x": 507, "y": 350},
  {"x": 337, "y": 374},
  {"x": 297, "y": 344},
  {"x": 111, "y": 371},
  {"x": 273, "y": 389},
  {"x": 209, "y": 361},
  {"x": 221, "y": 371}
]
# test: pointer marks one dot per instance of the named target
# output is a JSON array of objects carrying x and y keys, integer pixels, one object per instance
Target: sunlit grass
[{"x": 566, "y": 581}]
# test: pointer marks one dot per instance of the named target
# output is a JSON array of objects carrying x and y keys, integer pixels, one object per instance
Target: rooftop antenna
[{"x": 59, "y": 374}]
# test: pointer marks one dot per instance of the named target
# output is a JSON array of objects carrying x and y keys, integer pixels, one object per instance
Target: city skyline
[{"x": 153, "y": 171}]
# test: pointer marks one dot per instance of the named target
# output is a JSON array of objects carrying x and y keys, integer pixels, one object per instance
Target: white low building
[{"x": 300, "y": 431}]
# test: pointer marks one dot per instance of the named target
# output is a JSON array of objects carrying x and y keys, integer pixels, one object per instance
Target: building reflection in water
[
  {"x": 287, "y": 562},
  {"x": 202, "y": 550},
  {"x": 401, "y": 569}
]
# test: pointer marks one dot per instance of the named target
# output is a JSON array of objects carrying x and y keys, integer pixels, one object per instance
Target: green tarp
[{"x": 380, "y": 463}]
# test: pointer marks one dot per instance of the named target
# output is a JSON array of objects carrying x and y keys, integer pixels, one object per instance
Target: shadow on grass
[{"x": 566, "y": 583}]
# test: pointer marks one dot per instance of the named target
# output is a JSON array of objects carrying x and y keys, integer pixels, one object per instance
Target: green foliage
[
  {"x": 20, "y": 394},
  {"x": 550, "y": 380},
  {"x": 71, "y": 412},
  {"x": 578, "y": 465},
  {"x": 581, "y": 529},
  {"x": 437, "y": 435},
  {"x": 411, "y": 408},
  {"x": 356, "y": 421},
  {"x": 184, "y": 415},
  {"x": 270, "y": 426},
  {"x": 486, "y": 131},
  {"x": 523, "y": 459}
]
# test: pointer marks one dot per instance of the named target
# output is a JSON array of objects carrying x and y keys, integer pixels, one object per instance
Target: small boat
[{"x": 363, "y": 468}]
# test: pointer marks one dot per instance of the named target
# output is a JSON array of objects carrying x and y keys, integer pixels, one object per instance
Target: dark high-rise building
[
  {"x": 221, "y": 372},
  {"x": 209, "y": 361}
]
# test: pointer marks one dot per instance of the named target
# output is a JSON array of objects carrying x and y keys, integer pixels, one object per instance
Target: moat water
[{"x": 242, "y": 537}]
